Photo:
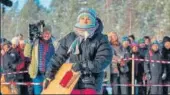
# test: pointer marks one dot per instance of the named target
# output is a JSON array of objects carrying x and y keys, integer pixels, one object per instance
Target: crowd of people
[
  {"x": 145, "y": 72},
  {"x": 93, "y": 52}
]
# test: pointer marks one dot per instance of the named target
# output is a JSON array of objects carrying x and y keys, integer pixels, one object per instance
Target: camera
[{"x": 35, "y": 30}]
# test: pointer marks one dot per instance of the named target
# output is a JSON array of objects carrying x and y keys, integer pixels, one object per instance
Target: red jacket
[{"x": 22, "y": 64}]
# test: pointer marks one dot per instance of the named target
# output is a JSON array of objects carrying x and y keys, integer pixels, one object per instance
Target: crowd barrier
[
  {"x": 135, "y": 59},
  {"x": 108, "y": 85},
  {"x": 136, "y": 85},
  {"x": 147, "y": 60},
  {"x": 19, "y": 72},
  {"x": 21, "y": 83}
]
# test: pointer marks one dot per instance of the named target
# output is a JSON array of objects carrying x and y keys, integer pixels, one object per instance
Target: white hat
[{"x": 15, "y": 41}]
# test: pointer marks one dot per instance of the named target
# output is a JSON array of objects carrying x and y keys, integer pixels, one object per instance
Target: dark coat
[
  {"x": 96, "y": 50},
  {"x": 117, "y": 52},
  {"x": 11, "y": 59},
  {"x": 120, "y": 52},
  {"x": 156, "y": 71},
  {"x": 154, "y": 68},
  {"x": 166, "y": 57},
  {"x": 138, "y": 69},
  {"x": 143, "y": 52}
]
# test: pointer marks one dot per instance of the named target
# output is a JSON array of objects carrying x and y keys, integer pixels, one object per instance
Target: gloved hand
[
  {"x": 46, "y": 83},
  {"x": 163, "y": 76},
  {"x": 122, "y": 62},
  {"x": 148, "y": 76},
  {"x": 77, "y": 66}
]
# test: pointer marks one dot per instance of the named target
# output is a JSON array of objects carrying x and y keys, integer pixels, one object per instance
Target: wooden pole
[{"x": 133, "y": 78}]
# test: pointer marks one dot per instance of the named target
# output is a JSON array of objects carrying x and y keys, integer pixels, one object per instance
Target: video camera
[{"x": 35, "y": 30}]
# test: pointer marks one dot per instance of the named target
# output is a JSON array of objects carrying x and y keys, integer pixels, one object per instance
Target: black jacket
[
  {"x": 166, "y": 56},
  {"x": 96, "y": 50},
  {"x": 154, "y": 68},
  {"x": 143, "y": 52},
  {"x": 10, "y": 61},
  {"x": 139, "y": 67}
]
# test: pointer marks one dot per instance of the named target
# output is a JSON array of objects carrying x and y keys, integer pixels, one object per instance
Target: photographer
[{"x": 41, "y": 52}]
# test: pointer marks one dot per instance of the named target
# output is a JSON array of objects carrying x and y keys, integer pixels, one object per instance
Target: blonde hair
[
  {"x": 15, "y": 41},
  {"x": 110, "y": 34}
]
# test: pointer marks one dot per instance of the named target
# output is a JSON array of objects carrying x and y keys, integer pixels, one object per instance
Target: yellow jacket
[{"x": 33, "y": 67}]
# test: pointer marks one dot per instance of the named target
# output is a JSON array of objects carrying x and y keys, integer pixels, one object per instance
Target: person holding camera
[
  {"x": 88, "y": 48},
  {"x": 41, "y": 51}
]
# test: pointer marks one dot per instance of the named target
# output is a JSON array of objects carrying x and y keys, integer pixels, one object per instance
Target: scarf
[{"x": 83, "y": 34}]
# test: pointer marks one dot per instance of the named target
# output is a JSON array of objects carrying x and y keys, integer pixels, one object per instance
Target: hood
[{"x": 100, "y": 27}]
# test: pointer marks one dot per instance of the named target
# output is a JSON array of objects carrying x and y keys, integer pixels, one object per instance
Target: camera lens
[{"x": 35, "y": 28}]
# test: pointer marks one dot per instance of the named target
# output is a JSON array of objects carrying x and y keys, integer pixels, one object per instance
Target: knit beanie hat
[
  {"x": 15, "y": 41},
  {"x": 91, "y": 13},
  {"x": 125, "y": 38},
  {"x": 155, "y": 42}
]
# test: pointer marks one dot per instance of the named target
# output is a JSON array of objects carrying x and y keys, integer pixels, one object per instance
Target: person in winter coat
[
  {"x": 15, "y": 45},
  {"x": 18, "y": 44},
  {"x": 40, "y": 52},
  {"x": 147, "y": 41},
  {"x": 88, "y": 48},
  {"x": 166, "y": 57},
  {"x": 11, "y": 61},
  {"x": 142, "y": 47},
  {"x": 138, "y": 69},
  {"x": 119, "y": 67},
  {"x": 2, "y": 40},
  {"x": 124, "y": 66},
  {"x": 21, "y": 67},
  {"x": 131, "y": 38},
  {"x": 115, "y": 73},
  {"x": 154, "y": 71}
]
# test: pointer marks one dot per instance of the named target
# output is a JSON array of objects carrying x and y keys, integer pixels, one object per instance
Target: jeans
[
  {"x": 115, "y": 79},
  {"x": 38, "y": 88}
]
